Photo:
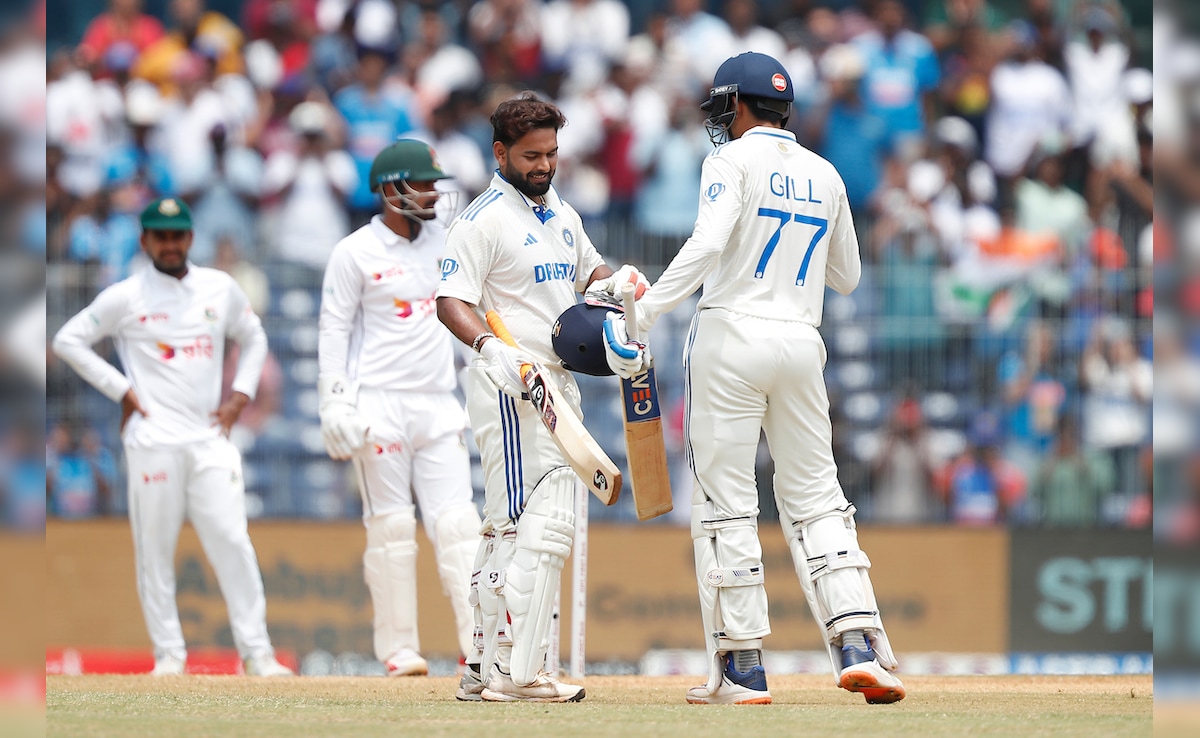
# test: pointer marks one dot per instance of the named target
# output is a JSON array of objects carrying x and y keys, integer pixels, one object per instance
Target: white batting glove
[
  {"x": 611, "y": 285},
  {"x": 342, "y": 428},
  {"x": 625, "y": 357},
  {"x": 503, "y": 366}
]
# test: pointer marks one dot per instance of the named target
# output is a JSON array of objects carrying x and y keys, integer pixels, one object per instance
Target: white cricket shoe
[
  {"x": 545, "y": 688},
  {"x": 736, "y": 688},
  {"x": 878, "y": 685},
  {"x": 266, "y": 666},
  {"x": 406, "y": 662},
  {"x": 470, "y": 686},
  {"x": 169, "y": 666}
]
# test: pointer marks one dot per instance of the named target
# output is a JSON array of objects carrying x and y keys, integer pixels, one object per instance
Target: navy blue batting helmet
[
  {"x": 578, "y": 339},
  {"x": 752, "y": 75}
]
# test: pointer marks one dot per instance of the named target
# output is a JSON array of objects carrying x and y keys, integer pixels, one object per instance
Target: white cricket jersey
[
  {"x": 526, "y": 262},
  {"x": 774, "y": 229},
  {"x": 378, "y": 321},
  {"x": 170, "y": 336}
]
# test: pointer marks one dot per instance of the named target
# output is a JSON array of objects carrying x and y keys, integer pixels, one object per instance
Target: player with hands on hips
[
  {"x": 774, "y": 229},
  {"x": 387, "y": 385},
  {"x": 520, "y": 250},
  {"x": 169, "y": 322}
]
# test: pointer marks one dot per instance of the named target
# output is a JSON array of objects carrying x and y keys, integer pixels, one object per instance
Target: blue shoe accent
[
  {"x": 852, "y": 655},
  {"x": 755, "y": 678}
]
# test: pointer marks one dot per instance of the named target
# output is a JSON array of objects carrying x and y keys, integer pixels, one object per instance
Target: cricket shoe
[
  {"x": 545, "y": 688},
  {"x": 406, "y": 662},
  {"x": 861, "y": 672},
  {"x": 470, "y": 686},
  {"x": 266, "y": 666},
  {"x": 169, "y": 666},
  {"x": 737, "y": 687}
]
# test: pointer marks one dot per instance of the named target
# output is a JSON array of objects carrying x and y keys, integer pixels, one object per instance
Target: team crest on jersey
[
  {"x": 569, "y": 238},
  {"x": 714, "y": 191},
  {"x": 210, "y": 314},
  {"x": 449, "y": 266}
]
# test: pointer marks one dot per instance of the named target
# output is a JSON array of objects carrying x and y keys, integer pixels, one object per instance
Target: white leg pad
[
  {"x": 390, "y": 571},
  {"x": 497, "y": 646},
  {"x": 833, "y": 572},
  {"x": 482, "y": 553},
  {"x": 455, "y": 545},
  {"x": 729, "y": 575},
  {"x": 545, "y": 532}
]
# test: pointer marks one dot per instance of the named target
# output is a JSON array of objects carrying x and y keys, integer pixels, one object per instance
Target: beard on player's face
[{"x": 533, "y": 183}]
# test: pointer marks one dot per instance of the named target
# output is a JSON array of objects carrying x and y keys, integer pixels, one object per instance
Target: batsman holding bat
[
  {"x": 774, "y": 229},
  {"x": 169, "y": 322},
  {"x": 520, "y": 250},
  {"x": 387, "y": 402}
]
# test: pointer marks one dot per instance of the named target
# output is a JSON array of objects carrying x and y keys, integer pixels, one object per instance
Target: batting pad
[
  {"x": 390, "y": 570},
  {"x": 729, "y": 574},
  {"x": 497, "y": 646},
  {"x": 455, "y": 544},
  {"x": 545, "y": 532},
  {"x": 483, "y": 551},
  {"x": 832, "y": 570}
]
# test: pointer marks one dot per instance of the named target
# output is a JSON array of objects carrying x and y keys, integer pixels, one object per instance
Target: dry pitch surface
[{"x": 805, "y": 705}]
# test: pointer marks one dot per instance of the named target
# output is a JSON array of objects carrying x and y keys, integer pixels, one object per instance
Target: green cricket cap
[{"x": 167, "y": 214}]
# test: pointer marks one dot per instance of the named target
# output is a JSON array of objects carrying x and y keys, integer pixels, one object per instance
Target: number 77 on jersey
[{"x": 645, "y": 448}]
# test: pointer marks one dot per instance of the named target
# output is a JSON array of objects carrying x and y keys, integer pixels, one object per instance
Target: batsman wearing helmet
[
  {"x": 774, "y": 229},
  {"x": 520, "y": 250},
  {"x": 387, "y": 403}
]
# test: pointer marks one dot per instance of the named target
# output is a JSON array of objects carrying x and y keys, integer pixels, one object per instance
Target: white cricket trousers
[
  {"x": 203, "y": 483},
  {"x": 744, "y": 374}
]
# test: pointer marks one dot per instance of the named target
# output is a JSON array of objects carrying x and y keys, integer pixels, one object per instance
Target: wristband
[{"x": 479, "y": 340}]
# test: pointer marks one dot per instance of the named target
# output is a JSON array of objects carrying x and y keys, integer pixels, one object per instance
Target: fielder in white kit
[
  {"x": 169, "y": 322},
  {"x": 774, "y": 229},
  {"x": 520, "y": 250},
  {"x": 387, "y": 385}
]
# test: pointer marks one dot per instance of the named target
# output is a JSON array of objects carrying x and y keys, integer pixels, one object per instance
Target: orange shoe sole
[
  {"x": 751, "y": 701},
  {"x": 867, "y": 685}
]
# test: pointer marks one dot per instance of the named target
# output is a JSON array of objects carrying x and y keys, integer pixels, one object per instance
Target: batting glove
[
  {"x": 342, "y": 428},
  {"x": 611, "y": 285},
  {"x": 503, "y": 366},
  {"x": 625, "y": 357}
]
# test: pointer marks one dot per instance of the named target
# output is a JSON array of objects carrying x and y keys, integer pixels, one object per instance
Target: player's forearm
[
  {"x": 683, "y": 277},
  {"x": 72, "y": 346},
  {"x": 461, "y": 319},
  {"x": 250, "y": 363}
]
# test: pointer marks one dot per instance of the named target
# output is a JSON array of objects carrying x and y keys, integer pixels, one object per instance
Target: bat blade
[
  {"x": 645, "y": 447},
  {"x": 599, "y": 473}
]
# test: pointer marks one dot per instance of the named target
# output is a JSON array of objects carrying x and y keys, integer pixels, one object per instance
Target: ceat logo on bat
[
  {"x": 778, "y": 82},
  {"x": 167, "y": 352}
]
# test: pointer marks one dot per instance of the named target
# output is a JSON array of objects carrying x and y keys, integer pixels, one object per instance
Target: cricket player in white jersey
[
  {"x": 774, "y": 229},
  {"x": 520, "y": 250},
  {"x": 169, "y": 322},
  {"x": 387, "y": 402}
]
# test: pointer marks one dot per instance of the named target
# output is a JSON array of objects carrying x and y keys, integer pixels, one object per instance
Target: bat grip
[
  {"x": 497, "y": 325},
  {"x": 629, "y": 300}
]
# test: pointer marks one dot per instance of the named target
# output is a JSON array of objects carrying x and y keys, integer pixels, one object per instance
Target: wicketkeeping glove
[
  {"x": 611, "y": 285},
  {"x": 342, "y": 428},
  {"x": 503, "y": 366},
  {"x": 626, "y": 357}
]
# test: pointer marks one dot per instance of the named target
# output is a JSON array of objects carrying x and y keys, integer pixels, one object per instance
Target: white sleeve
[
  {"x": 589, "y": 260},
  {"x": 698, "y": 256},
  {"x": 73, "y": 343},
  {"x": 469, "y": 256},
  {"x": 341, "y": 295},
  {"x": 246, "y": 328},
  {"x": 844, "y": 267}
]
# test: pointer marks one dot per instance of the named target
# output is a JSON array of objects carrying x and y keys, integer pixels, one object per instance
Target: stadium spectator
[
  {"x": 704, "y": 39},
  {"x": 195, "y": 29},
  {"x": 80, "y": 472},
  {"x": 1034, "y": 394},
  {"x": 1044, "y": 203},
  {"x": 1070, "y": 485},
  {"x": 903, "y": 470},
  {"x": 124, "y": 29},
  {"x": 507, "y": 36},
  {"x": 310, "y": 185},
  {"x": 748, "y": 34},
  {"x": 1117, "y": 386},
  {"x": 584, "y": 37},
  {"x": 228, "y": 204},
  {"x": 439, "y": 66},
  {"x": 980, "y": 487}
]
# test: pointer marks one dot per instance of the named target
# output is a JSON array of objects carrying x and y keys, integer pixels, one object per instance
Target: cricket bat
[
  {"x": 598, "y": 472},
  {"x": 645, "y": 448}
]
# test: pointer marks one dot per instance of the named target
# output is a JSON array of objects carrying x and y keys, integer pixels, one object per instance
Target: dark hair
[
  {"x": 767, "y": 109},
  {"x": 520, "y": 115}
]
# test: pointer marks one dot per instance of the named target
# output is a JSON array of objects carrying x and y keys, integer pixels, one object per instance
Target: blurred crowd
[{"x": 994, "y": 366}]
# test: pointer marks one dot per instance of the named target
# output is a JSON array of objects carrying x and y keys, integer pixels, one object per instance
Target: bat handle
[
  {"x": 629, "y": 300},
  {"x": 497, "y": 325}
]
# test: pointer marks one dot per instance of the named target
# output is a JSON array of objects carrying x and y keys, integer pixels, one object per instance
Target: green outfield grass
[{"x": 624, "y": 707}]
